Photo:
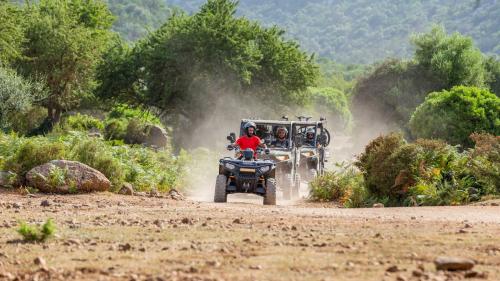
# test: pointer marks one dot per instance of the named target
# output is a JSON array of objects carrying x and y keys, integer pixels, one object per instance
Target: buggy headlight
[
  {"x": 282, "y": 157},
  {"x": 264, "y": 169},
  {"x": 229, "y": 166}
]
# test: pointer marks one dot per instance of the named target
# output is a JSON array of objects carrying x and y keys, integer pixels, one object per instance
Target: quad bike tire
[
  {"x": 270, "y": 196},
  {"x": 220, "y": 195},
  {"x": 296, "y": 186}
]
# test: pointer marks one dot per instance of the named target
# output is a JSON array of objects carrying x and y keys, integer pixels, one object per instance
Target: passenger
[
  {"x": 281, "y": 138},
  {"x": 310, "y": 137}
]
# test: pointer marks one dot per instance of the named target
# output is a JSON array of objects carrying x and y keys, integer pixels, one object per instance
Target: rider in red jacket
[{"x": 249, "y": 140}]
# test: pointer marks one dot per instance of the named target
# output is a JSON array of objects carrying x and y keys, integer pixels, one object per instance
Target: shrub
[
  {"x": 378, "y": 169},
  {"x": 454, "y": 115},
  {"x": 33, "y": 152},
  {"x": 115, "y": 129},
  {"x": 81, "y": 122},
  {"x": 143, "y": 167},
  {"x": 345, "y": 186},
  {"x": 123, "y": 111},
  {"x": 36, "y": 234},
  {"x": 484, "y": 163}
]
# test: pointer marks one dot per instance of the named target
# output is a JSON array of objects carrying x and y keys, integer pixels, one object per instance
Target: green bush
[
  {"x": 345, "y": 187},
  {"x": 127, "y": 112},
  {"x": 454, "y": 115},
  {"x": 81, "y": 122},
  {"x": 143, "y": 167},
  {"x": 37, "y": 234},
  {"x": 31, "y": 152},
  {"x": 115, "y": 129}
]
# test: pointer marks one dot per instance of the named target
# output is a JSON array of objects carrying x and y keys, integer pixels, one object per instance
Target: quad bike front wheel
[
  {"x": 270, "y": 196},
  {"x": 220, "y": 195}
]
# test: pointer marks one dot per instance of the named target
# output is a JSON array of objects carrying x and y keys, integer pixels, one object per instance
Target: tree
[
  {"x": 11, "y": 34},
  {"x": 453, "y": 58},
  {"x": 333, "y": 104},
  {"x": 64, "y": 43},
  {"x": 192, "y": 63},
  {"x": 493, "y": 68},
  {"x": 16, "y": 95},
  {"x": 454, "y": 115}
]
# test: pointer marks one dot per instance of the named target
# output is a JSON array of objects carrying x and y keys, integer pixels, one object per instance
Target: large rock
[
  {"x": 62, "y": 176},
  {"x": 157, "y": 136},
  {"x": 453, "y": 263}
]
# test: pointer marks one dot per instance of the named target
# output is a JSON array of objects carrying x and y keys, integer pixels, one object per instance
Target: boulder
[
  {"x": 157, "y": 136},
  {"x": 453, "y": 263},
  {"x": 63, "y": 176}
]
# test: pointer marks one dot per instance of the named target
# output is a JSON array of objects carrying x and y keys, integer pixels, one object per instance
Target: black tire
[
  {"x": 220, "y": 195},
  {"x": 296, "y": 186},
  {"x": 270, "y": 196}
]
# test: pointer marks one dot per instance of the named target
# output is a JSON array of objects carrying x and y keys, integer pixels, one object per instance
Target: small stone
[
  {"x": 400, "y": 278},
  {"x": 417, "y": 273},
  {"x": 255, "y": 267},
  {"x": 39, "y": 261},
  {"x": 393, "y": 268},
  {"x": 237, "y": 221},
  {"x": 154, "y": 192},
  {"x": 124, "y": 247},
  {"x": 378, "y": 205},
  {"x": 453, "y": 263},
  {"x": 186, "y": 221},
  {"x": 16, "y": 206},
  {"x": 45, "y": 203}
]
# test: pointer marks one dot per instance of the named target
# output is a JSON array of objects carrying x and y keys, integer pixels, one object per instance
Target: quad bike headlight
[
  {"x": 229, "y": 166},
  {"x": 307, "y": 153},
  {"x": 264, "y": 169}
]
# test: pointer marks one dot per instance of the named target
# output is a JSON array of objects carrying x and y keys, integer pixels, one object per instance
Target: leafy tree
[
  {"x": 454, "y": 115},
  {"x": 192, "y": 63},
  {"x": 453, "y": 58},
  {"x": 493, "y": 68},
  {"x": 64, "y": 43},
  {"x": 11, "y": 34},
  {"x": 16, "y": 95}
]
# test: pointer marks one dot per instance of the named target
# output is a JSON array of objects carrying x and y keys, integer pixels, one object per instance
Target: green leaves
[
  {"x": 454, "y": 115},
  {"x": 453, "y": 58}
]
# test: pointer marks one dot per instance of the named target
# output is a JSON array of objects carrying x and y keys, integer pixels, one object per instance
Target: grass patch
[{"x": 32, "y": 233}]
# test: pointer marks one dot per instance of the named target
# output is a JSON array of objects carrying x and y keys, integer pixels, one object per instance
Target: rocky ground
[{"x": 116, "y": 237}]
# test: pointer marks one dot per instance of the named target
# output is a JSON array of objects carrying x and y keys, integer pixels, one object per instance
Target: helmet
[
  {"x": 248, "y": 154},
  {"x": 248, "y": 125},
  {"x": 281, "y": 129},
  {"x": 310, "y": 131}
]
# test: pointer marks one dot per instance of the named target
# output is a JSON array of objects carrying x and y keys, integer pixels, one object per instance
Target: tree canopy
[
  {"x": 64, "y": 41},
  {"x": 455, "y": 114},
  {"x": 192, "y": 63}
]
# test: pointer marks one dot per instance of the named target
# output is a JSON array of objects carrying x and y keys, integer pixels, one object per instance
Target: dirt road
[{"x": 113, "y": 237}]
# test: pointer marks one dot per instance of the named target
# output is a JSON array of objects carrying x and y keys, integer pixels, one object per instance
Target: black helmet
[{"x": 248, "y": 125}]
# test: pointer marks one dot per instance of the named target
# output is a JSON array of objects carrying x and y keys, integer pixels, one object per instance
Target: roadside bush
[
  {"x": 454, "y": 115},
  {"x": 345, "y": 187},
  {"x": 484, "y": 163},
  {"x": 143, "y": 167}
]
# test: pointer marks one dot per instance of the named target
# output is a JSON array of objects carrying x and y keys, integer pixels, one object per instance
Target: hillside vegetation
[{"x": 364, "y": 31}]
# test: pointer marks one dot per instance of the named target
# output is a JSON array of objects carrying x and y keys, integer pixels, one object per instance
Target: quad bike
[
  {"x": 283, "y": 157},
  {"x": 246, "y": 174}
]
